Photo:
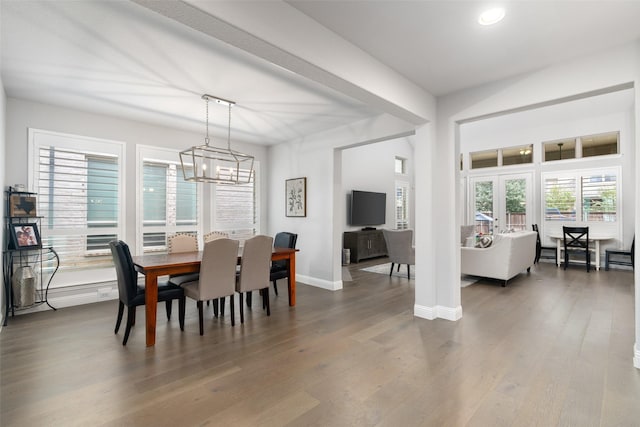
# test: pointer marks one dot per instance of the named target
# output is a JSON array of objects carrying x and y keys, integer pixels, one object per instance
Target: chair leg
[
  {"x": 391, "y": 271},
  {"x": 131, "y": 314},
  {"x": 262, "y": 292},
  {"x": 181, "y": 309},
  {"x": 215, "y": 307},
  {"x": 168, "y": 304},
  {"x": 266, "y": 297},
  {"x": 241, "y": 307},
  {"x": 606, "y": 261},
  {"x": 399, "y": 267},
  {"x": 222, "y": 301},
  {"x": 200, "y": 317},
  {"x": 119, "y": 318},
  {"x": 249, "y": 297},
  {"x": 275, "y": 287},
  {"x": 408, "y": 271},
  {"x": 588, "y": 260},
  {"x": 232, "y": 309}
]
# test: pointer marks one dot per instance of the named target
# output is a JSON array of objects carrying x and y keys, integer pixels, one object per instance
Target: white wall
[
  {"x": 576, "y": 118},
  {"x": 586, "y": 75},
  {"x": 22, "y": 114},
  {"x": 3, "y": 151},
  {"x": 372, "y": 168},
  {"x": 320, "y": 233}
]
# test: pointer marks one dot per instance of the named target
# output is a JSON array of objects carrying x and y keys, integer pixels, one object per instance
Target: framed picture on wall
[
  {"x": 296, "y": 197},
  {"x": 25, "y": 236}
]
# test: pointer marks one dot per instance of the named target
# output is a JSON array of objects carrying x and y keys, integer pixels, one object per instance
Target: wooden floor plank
[{"x": 552, "y": 348}]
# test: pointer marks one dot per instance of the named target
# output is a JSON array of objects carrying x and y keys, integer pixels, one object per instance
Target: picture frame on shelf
[
  {"x": 296, "y": 197},
  {"x": 25, "y": 236},
  {"x": 21, "y": 205}
]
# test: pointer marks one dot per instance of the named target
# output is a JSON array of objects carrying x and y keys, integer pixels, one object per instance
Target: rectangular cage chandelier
[{"x": 216, "y": 165}]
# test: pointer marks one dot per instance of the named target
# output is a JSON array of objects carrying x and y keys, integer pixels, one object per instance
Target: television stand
[{"x": 365, "y": 244}]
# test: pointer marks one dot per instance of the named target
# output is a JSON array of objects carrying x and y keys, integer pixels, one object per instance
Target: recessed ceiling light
[{"x": 491, "y": 16}]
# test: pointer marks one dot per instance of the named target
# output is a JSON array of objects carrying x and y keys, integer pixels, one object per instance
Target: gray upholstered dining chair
[
  {"x": 217, "y": 278},
  {"x": 212, "y": 235},
  {"x": 400, "y": 249},
  {"x": 182, "y": 242},
  {"x": 255, "y": 269}
]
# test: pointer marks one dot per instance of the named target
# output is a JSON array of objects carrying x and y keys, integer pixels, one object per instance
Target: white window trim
[{"x": 89, "y": 145}]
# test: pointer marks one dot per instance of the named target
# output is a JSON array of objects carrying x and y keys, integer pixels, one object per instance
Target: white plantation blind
[
  {"x": 599, "y": 197},
  {"x": 560, "y": 198},
  {"x": 169, "y": 204},
  {"x": 583, "y": 195},
  {"x": 402, "y": 205},
  {"x": 235, "y": 209},
  {"x": 78, "y": 199}
]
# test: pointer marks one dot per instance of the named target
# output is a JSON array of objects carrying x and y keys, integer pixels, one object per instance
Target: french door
[{"x": 501, "y": 202}]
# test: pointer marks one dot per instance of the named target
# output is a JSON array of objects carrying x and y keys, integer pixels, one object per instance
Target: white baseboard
[
  {"x": 438, "y": 312},
  {"x": 636, "y": 356},
  {"x": 319, "y": 283}
]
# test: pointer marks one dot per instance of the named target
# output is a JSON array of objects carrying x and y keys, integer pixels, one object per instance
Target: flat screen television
[{"x": 367, "y": 208}]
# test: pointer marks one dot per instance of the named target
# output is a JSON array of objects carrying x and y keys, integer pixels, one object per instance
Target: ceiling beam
[{"x": 282, "y": 35}]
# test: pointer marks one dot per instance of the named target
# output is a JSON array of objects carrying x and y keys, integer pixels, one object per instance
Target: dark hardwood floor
[{"x": 552, "y": 348}]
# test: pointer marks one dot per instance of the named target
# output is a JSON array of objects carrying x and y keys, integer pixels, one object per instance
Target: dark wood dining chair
[
  {"x": 280, "y": 269},
  {"x": 540, "y": 248},
  {"x": 621, "y": 254},
  {"x": 132, "y": 295},
  {"x": 576, "y": 242}
]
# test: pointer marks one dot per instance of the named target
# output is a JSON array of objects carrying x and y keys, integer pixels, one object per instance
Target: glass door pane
[
  {"x": 484, "y": 204},
  {"x": 515, "y": 202}
]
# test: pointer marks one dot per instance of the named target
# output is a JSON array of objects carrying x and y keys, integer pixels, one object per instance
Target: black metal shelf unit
[{"x": 24, "y": 258}]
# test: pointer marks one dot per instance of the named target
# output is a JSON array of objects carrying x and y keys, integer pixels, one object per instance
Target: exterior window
[
  {"x": 169, "y": 204},
  {"x": 401, "y": 166},
  {"x": 77, "y": 181},
  {"x": 599, "y": 197},
  {"x": 586, "y": 196},
  {"x": 236, "y": 208},
  {"x": 402, "y": 205},
  {"x": 517, "y": 155},
  {"x": 560, "y": 198},
  {"x": 484, "y": 159},
  {"x": 600, "y": 145},
  {"x": 560, "y": 150}
]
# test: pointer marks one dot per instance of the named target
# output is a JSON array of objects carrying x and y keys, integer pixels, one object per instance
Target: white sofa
[{"x": 508, "y": 255}]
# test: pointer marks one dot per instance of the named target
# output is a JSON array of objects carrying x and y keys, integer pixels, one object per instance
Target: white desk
[{"x": 596, "y": 238}]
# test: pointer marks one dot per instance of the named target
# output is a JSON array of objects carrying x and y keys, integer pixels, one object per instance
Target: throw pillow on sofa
[{"x": 484, "y": 242}]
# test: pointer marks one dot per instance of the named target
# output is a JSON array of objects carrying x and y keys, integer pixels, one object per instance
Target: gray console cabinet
[{"x": 365, "y": 244}]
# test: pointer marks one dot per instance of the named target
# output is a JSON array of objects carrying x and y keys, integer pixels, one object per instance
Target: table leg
[
  {"x": 597, "y": 255},
  {"x": 558, "y": 251},
  {"x": 151, "y": 306},
  {"x": 292, "y": 279}
]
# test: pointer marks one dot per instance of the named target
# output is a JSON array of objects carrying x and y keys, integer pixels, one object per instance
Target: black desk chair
[
  {"x": 621, "y": 253},
  {"x": 576, "y": 242},
  {"x": 132, "y": 295},
  {"x": 540, "y": 248},
  {"x": 280, "y": 269}
]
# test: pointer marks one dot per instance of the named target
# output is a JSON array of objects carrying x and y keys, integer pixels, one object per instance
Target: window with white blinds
[
  {"x": 77, "y": 181},
  {"x": 560, "y": 198},
  {"x": 169, "y": 204},
  {"x": 402, "y": 205},
  {"x": 236, "y": 209},
  {"x": 599, "y": 197},
  {"x": 586, "y": 196}
]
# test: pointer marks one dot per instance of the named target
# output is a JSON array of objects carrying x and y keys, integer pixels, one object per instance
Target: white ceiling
[{"x": 121, "y": 59}]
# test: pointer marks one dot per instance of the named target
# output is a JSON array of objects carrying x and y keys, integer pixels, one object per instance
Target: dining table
[
  {"x": 596, "y": 238},
  {"x": 152, "y": 266}
]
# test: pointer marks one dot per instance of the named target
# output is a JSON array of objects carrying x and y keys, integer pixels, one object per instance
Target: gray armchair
[{"x": 400, "y": 249}]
